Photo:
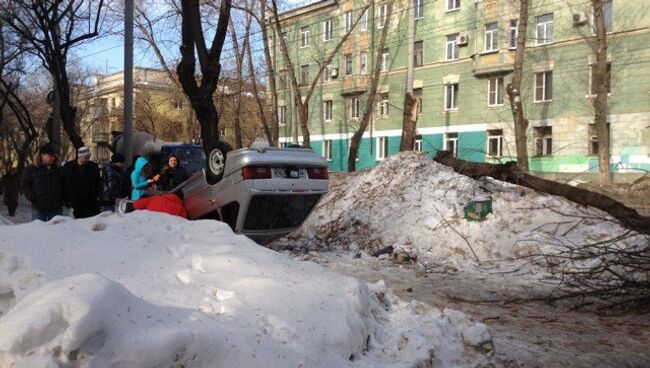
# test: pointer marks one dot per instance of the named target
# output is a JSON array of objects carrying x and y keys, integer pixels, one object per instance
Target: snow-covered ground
[{"x": 152, "y": 290}]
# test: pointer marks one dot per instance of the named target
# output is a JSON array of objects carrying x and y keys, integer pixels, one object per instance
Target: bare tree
[
  {"x": 410, "y": 112},
  {"x": 513, "y": 89},
  {"x": 601, "y": 89},
  {"x": 302, "y": 101},
  {"x": 200, "y": 91},
  {"x": 241, "y": 52},
  {"x": 372, "y": 93},
  {"x": 52, "y": 28}
]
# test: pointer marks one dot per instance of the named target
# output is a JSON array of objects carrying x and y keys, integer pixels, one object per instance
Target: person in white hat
[{"x": 82, "y": 184}]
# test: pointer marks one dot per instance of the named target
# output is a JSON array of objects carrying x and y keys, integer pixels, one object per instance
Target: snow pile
[
  {"x": 416, "y": 204},
  {"x": 151, "y": 290}
]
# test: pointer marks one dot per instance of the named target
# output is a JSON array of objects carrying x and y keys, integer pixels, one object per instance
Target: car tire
[{"x": 215, "y": 161}]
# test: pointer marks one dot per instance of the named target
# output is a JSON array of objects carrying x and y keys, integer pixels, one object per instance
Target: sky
[{"x": 105, "y": 55}]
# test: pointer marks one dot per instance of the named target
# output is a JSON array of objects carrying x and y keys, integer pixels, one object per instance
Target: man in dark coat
[
  {"x": 42, "y": 185},
  {"x": 11, "y": 188},
  {"x": 172, "y": 175},
  {"x": 82, "y": 184},
  {"x": 114, "y": 183}
]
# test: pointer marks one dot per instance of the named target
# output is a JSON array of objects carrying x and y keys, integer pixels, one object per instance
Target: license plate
[
  {"x": 289, "y": 173},
  {"x": 294, "y": 174}
]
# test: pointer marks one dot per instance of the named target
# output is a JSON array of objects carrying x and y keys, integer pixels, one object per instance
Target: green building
[{"x": 463, "y": 57}]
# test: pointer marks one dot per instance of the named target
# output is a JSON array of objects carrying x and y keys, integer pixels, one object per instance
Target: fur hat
[{"x": 46, "y": 149}]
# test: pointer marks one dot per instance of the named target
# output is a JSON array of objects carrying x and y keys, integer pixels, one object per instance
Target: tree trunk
[
  {"x": 274, "y": 130},
  {"x": 514, "y": 90},
  {"x": 372, "y": 92},
  {"x": 602, "y": 77},
  {"x": 509, "y": 172},
  {"x": 409, "y": 123}
]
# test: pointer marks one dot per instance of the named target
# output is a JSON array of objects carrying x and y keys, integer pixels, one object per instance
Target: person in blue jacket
[{"x": 141, "y": 179}]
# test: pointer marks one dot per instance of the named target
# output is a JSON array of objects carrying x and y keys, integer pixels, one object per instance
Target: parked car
[{"x": 264, "y": 193}]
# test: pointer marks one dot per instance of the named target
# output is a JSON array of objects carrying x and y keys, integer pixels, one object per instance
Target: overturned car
[{"x": 264, "y": 192}]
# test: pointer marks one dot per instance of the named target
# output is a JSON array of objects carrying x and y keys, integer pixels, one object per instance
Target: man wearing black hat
[
  {"x": 82, "y": 184},
  {"x": 42, "y": 185},
  {"x": 114, "y": 183}
]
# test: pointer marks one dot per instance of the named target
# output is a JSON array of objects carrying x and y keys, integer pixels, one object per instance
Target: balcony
[
  {"x": 354, "y": 84},
  {"x": 100, "y": 138},
  {"x": 494, "y": 63}
]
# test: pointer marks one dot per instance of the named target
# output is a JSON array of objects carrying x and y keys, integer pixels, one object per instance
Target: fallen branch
[{"x": 509, "y": 172}]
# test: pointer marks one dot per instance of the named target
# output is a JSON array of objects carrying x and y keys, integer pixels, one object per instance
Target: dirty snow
[
  {"x": 416, "y": 205},
  {"x": 152, "y": 290}
]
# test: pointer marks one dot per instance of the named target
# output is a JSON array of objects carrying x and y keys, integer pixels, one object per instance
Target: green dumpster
[{"x": 478, "y": 208}]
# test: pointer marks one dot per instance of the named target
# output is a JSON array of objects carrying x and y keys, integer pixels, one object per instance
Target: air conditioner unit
[
  {"x": 334, "y": 73},
  {"x": 579, "y": 18},
  {"x": 463, "y": 40}
]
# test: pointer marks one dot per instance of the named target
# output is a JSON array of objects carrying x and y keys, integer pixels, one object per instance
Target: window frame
[
  {"x": 385, "y": 60},
  {"x": 418, "y": 96},
  {"x": 384, "y": 105},
  {"x": 348, "y": 19},
  {"x": 304, "y": 76},
  {"x": 591, "y": 93},
  {"x": 545, "y": 25},
  {"x": 418, "y": 54},
  {"x": 381, "y": 148},
  {"x": 304, "y": 37},
  {"x": 454, "y": 88},
  {"x": 514, "y": 33},
  {"x": 282, "y": 116},
  {"x": 544, "y": 87},
  {"x": 543, "y": 135},
  {"x": 327, "y": 149},
  {"x": 497, "y": 93},
  {"x": 493, "y": 35},
  {"x": 363, "y": 22},
  {"x": 609, "y": 29},
  {"x": 456, "y": 48},
  {"x": 363, "y": 62},
  {"x": 492, "y": 135},
  {"x": 327, "y": 73},
  {"x": 348, "y": 62},
  {"x": 419, "y": 9},
  {"x": 454, "y": 3},
  {"x": 451, "y": 137},
  {"x": 353, "y": 112},
  {"x": 328, "y": 30},
  {"x": 328, "y": 111},
  {"x": 383, "y": 15}
]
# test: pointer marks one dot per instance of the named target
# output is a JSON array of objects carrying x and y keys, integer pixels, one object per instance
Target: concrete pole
[{"x": 128, "y": 82}]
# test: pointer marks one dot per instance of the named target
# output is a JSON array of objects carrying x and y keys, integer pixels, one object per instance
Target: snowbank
[
  {"x": 414, "y": 203},
  {"x": 151, "y": 290}
]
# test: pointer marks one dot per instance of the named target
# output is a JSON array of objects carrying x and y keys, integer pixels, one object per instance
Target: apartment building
[{"x": 463, "y": 59}]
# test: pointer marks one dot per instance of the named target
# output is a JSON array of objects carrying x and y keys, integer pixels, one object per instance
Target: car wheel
[{"x": 215, "y": 161}]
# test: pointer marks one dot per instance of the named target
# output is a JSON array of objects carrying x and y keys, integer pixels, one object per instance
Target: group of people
[{"x": 82, "y": 186}]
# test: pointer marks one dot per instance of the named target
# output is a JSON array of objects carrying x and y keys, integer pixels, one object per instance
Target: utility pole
[{"x": 127, "y": 136}]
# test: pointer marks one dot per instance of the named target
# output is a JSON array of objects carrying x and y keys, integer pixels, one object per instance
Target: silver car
[{"x": 264, "y": 193}]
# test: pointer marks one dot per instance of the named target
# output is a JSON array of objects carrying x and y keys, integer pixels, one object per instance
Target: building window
[
  {"x": 417, "y": 94},
  {"x": 284, "y": 144},
  {"x": 283, "y": 79},
  {"x": 384, "y": 9},
  {"x": 328, "y": 30},
  {"x": 363, "y": 22},
  {"x": 495, "y": 143},
  {"x": 348, "y": 22},
  {"x": 495, "y": 91},
  {"x": 543, "y": 141},
  {"x": 327, "y": 73},
  {"x": 593, "y": 140},
  {"x": 491, "y": 36},
  {"x": 419, "y": 8},
  {"x": 453, "y": 5},
  {"x": 452, "y": 47},
  {"x": 282, "y": 115},
  {"x": 451, "y": 143},
  {"x": 348, "y": 64},
  {"x": 418, "y": 54},
  {"x": 385, "y": 60},
  {"x": 327, "y": 110},
  {"x": 544, "y": 86},
  {"x": 327, "y": 149},
  {"x": 593, "y": 83},
  {"x": 354, "y": 108},
  {"x": 382, "y": 148},
  {"x": 544, "y": 29},
  {"x": 451, "y": 97},
  {"x": 514, "y": 32},
  {"x": 384, "y": 105},
  {"x": 417, "y": 145},
  {"x": 304, "y": 36},
  {"x": 304, "y": 75},
  {"x": 608, "y": 14},
  {"x": 363, "y": 62}
]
